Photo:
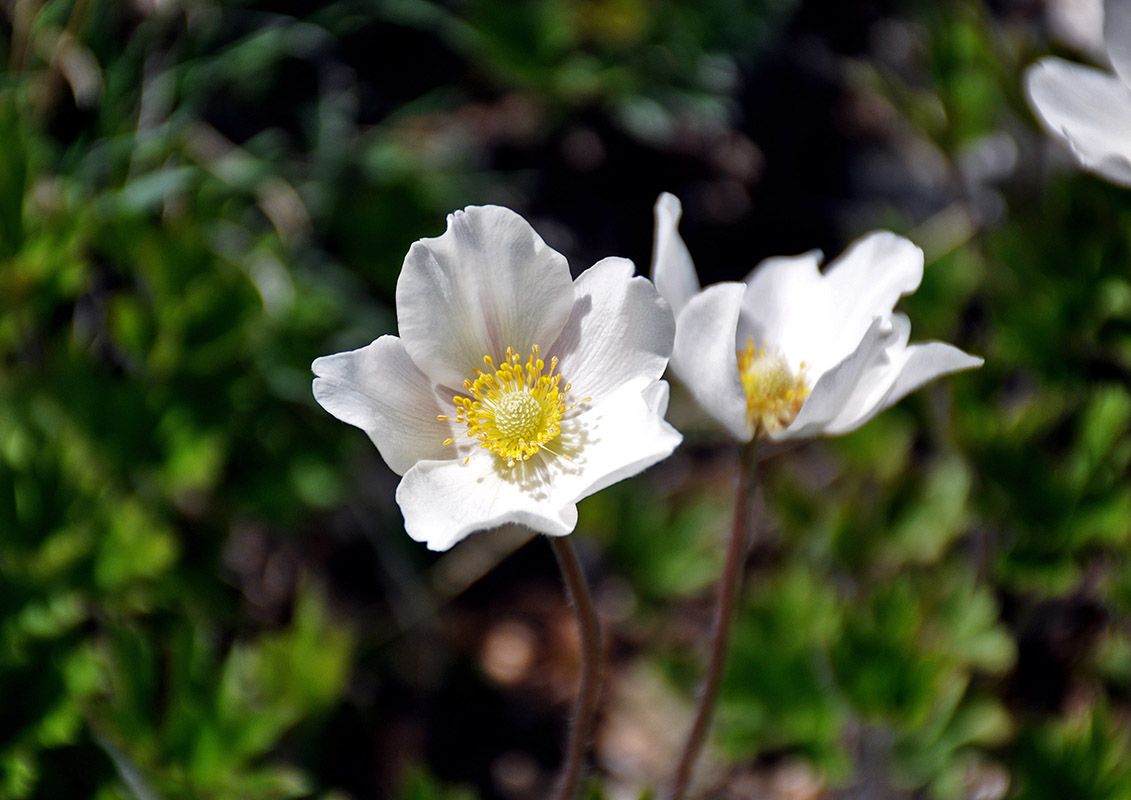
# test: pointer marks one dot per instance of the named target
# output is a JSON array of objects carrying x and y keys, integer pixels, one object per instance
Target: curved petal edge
[
  {"x": 705, "y": 360},
  {"x": 673, "y": 271}
]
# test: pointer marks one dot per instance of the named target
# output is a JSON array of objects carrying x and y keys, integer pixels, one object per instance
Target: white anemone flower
[
  {"x": 793, "y": 352},
  {"x": 1087, "y": 108},
  {"x": 512, "y": 391}
]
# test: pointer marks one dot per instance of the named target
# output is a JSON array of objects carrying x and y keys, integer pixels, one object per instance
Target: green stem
[
  {"x": 727, "y": 592},
  {"x": 589, "y": 692}
]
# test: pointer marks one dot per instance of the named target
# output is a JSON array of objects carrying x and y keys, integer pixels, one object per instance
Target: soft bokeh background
[{"x": 205, "y": 588}]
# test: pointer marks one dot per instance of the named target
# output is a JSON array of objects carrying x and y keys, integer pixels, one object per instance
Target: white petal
[
  {"x": 826, "y": 401},
  {"x": 378, "y": 389},
  {"x": 616, "y": 439},
  {"x": 488, "y": 283},
  {"x": 1079, "y": 24},
  {"x": 672, "y": 267},
  {"x": 920, "y": 364},
  {"x": 1117, "y": 36},
  {"x": 620, "y": 333},
  {"x": 881, "y": 372},
  {"x": 704, "y": 357},
  {"x": 1088, "y": 109},
  {"x": 446, "y": 501},
  {"x": 820, "y": 319},
  {"x": 876, "y": 379},
  {"x": 785, "y": 307},
  {"x": 866, "y": 282}
]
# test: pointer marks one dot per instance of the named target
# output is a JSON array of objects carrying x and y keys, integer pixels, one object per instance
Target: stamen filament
[
  {"x": 774, "y": 394},
  {"x": 515, "y": 409}
]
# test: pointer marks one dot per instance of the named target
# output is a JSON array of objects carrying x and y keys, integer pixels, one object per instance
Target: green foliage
[
  {"x": 640, "y": 58},
  {"x": 211, "y": 720},
  {"x": 418, "y": 784},
  {"x": 778, "y": 691},
  {"x": 1082, "y": 757},
  {"x": 1009, "y": 484},
  {"x": 129, "y": 433},
  {"x": 662, "y": 547}
]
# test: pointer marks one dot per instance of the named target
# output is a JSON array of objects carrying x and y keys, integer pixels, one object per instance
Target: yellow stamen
[
  {"x": 774, "y": 394},
  {"x": 515, "y": 409}
]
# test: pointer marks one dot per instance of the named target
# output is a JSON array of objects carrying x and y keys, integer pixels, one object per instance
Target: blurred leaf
[
  {"x": 777, "y": 693},
  {"x": 667, "y": 550},
  {"x": 1082, "y": 757},
  {"x": 923, "y": 531},
  {"x": 418, "y": 784}
]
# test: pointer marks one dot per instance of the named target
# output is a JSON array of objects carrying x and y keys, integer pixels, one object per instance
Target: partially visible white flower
[
  {"x": 793, "y": 352},
  {"x": 1087, "y": 108},
  {"x": 1078, "y": 24},
  {"x": 512, "y": 391}
]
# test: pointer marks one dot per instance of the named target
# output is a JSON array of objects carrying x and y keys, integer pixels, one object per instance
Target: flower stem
[
  {"x": 728, "y": 587},
  {"x": 589, "y": 692}
]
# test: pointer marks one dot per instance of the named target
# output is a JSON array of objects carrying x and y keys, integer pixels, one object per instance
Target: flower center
[
  {"x": 514, "y": 409},
  {"x": 774, "y": 395}
]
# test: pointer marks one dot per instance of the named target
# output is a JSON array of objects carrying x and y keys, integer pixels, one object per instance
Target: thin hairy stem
[
  {"x": 589, "y": 692},
  {"x": 728, "y": 587}
]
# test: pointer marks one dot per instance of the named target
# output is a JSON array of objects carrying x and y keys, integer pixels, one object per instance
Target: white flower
[
  {"x": 512, "y": 391},
  {"x": 1088, "y": 108},
  {"x": 792, "y": 352},
  {"x": 1078, "y": 24}
]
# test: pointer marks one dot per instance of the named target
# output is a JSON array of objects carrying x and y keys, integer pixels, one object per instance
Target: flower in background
[
  {"x": 1087, "y": 108},
  {"x": 793, "y": 352},
  {"x": 1078, "y": 24},
  {"x": 512, "y": 391}
]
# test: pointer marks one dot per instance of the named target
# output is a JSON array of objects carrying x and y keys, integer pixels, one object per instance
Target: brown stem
[
  {"x": 729, "y": 583},
  {"x": 589, "y": 692}
]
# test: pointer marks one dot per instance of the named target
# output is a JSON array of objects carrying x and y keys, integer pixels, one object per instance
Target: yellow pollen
[
  {"x": 774, "y": 395},
  {"x": 514, "y": 409}
]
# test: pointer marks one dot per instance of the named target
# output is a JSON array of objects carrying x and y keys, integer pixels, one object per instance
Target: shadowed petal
[
  {"x": 834, "y": 388},
  {"x": 619, "y": 334},
  {"x": 882, "y": 371},
  {"x": 488, "y": 283},
  {"x": 624, "y": 435},
  {"x": 1117, "y": 37},
  {"x": 863, "y": 400},
  {"x": 922, "y": 363},
  {"x": 446, "y": 501},
  {"x": 866, "y": 282},
  {"x": 819, "y": 318},
  {"x": 704, "y": 357},
  {"x": 785, "y": 307},
  {"x": 377, "y": 388},
  {"x": 1088, "y": 109}
]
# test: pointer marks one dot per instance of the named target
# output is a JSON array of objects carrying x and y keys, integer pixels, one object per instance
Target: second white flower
[{"x": 792, "y": 352}]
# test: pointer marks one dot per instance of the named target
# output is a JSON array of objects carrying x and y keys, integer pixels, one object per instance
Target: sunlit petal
[
  {"x": 377, "y": 388},
  {"x": 672, "y": 268},
  {"x": 444, "y": 502},
  {"x": 488, "y": 283},
  {"x": 620, "y": 332},
  {"x": 476, "y": 405}
]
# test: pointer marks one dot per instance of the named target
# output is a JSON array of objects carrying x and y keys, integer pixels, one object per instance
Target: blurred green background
[{"x": 205, "y": 588}]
